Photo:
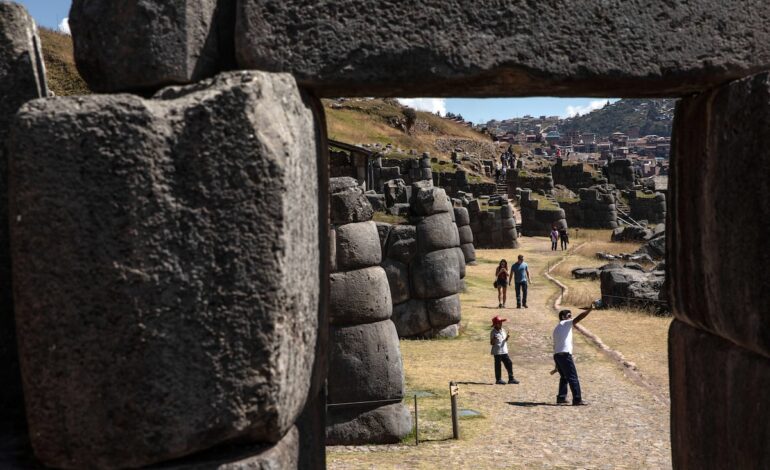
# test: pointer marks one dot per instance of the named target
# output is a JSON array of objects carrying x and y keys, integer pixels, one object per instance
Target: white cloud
[
  {"x": 572, "y": 111},
  {"x": 425, "y": 104},
  {"x": 64, "y": 26}
]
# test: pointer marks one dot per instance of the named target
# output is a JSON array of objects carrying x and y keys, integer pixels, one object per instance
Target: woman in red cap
[
  {"x": 501, "y": 282},
  {"x": 498, "y": 338}
]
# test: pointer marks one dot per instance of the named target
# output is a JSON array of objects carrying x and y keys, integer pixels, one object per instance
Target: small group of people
[
  {"x": 507, "y": 160},
  {"x": 562, "y": 354},
  {"x": 558, "y": 235},
  {"x": 519, "y": 275}
]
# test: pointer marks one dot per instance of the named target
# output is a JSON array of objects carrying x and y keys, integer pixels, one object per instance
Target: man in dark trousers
[
  {"x": 520, "y": 276},
  {"x": 498, "y": 338},
  {"x": 562, "y": 356}
]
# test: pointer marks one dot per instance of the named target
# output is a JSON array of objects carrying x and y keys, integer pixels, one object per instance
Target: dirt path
[{"x": 624, "y": 426}]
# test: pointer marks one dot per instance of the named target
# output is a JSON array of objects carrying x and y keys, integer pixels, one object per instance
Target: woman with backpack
[{"x": 501, "y": 282}]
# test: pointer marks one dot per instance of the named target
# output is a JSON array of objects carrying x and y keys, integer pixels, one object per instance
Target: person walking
[
  {"x": 498, "y": 338},
  {"x": 520, "y": 275},
  {"x": 564, "y": 237},
  {"x": 562, "y": 356},
  {"x": 554, "y": 238},
  {"x": 501, "y": 282}
]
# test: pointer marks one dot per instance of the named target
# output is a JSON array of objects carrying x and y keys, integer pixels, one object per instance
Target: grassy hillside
[
  {"x": 63, "y": 76},
  {"x": 368, "y": 121},
  {"x": 645, "y": 116}
]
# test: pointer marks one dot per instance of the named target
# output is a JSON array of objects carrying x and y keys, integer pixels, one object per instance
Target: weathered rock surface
[
  {"x": 435, "y": 275},
  {"x": 469, "y": 251},
  {"x": 628, "y": 286},
  {"x": 360, "y": 296},
  {"x": 402, "y": 243},
  {"x": 411, "y": 318},
  {"x": 631, "y": 233},
  {"x": 160, "y": 249},
  {"x": 383, "y": 230},
  {"x": 428, "y": 200},
  {"x": 717, "y": 268},
  {"x": 366, "y": 425},
  {"x": 283, "y": 455},
  {"x": 365, "y": 363},
  {"x": 695, "y": 46},
  {"x": 733, "y": 401},
  {"x": 348, "y": 203},
  {"x": 22, "y": 78},
  {"x": 358, "y": 246},
  {"x": 443, "y": 312},
  {"x": 466, "y": 234},
  {"x": 461, "y": 216},
  {"x": 148, "y": 44},
  {"x": 398, "y": 280},
  {"x": 437, "y": 232}
]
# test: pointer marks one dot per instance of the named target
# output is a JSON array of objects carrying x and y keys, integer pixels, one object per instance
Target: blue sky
[{"x": 51, "y": 13}]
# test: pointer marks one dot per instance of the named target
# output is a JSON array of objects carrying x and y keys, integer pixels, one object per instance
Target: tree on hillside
[{"x": 411, "y": 118}]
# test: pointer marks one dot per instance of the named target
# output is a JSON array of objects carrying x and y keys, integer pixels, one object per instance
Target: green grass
[
  {"x": 544, "y": 204},
  {"x": 642, "y": 195},
  {"x": 389, "y": 219}
]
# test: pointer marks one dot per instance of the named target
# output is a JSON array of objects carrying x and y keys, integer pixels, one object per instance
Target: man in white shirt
[
  {"x": 562, "y": 356},
  {"x": 498, "y": 338}
]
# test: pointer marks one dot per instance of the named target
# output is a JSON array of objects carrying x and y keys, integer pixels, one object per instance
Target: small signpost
[
  {"x": 416, "y": 438},
  {"x": 454, "y": 390}
]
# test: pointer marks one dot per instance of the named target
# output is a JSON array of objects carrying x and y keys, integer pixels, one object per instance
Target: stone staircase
[{"x": 501, "y": 188}]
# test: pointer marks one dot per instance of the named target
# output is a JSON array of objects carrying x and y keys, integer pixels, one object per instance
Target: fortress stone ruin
[
  {"x": 425, "y": 265},
  {"x": 366, "y": 377},
  {"x": 494, "y": 227},
  {"x": 157, "y": 234}
]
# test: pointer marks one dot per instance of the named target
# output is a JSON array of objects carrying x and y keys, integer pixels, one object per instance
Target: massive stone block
[
  {"x": 22, "y": 78},
  {"x": 428, "y": 200},
  {"x": 630, "y": 47},
  {"x": 437, "y": 232},
  {"x": 402, "y": 243},
  {"x": 435, "y": 274},
  {"x": 368, "y": 424},
  {"x": 365, "y": 363},
  {"x": 147, "y": 44},
  {"x": 720, "y": 205},
  {"x": 719, "y": 404},
  {"x": 358, "y": 246},
  {"x": 443, "y": 312},
  {"x": 398, "y": 280},
  {"x": 360, "y": 296},
  {"x": 461, "y": 216},
  {"x": 156, "y": 287},
  {"x": 411, "y": 318},
  {"x": 348, "y": 202}
]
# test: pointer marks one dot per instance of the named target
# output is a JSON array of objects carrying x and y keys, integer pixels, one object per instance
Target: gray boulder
[
  {"x": 377, "y": 201},
  {"x": 383, "y": 230},
  {"x": 411, "y": 319},
  {"x": 395, "y": 192},
  {"x": 436, "y": 232},
  {"x": 443, "y": 312},
  {"x": 367, "y": 424},
  {"x": 631, "y": 233},
  {"x": 460, "y": 254},
  {"x": 451, "y": 331},
  {"x": 469, "y": 251},
  {"x": 164, "y": 250},
  {"x": 158, "y": 43},
  {"x": 623, "y": 286},
  {"x": 461, "y": 216},
  {"x": 360, "y": 296},
  {"x": 466, "y": 234},
  {"x": 428, "y": 200},
  {"x": 365, "y": 363},
  {"x": 398, "y": 280},
  {"x": 585, "y": 273},
  {"x": 402, "y": 243},
  {"x": 348, "y": 204},
  {"x": 435, "y": 275},
  {"x": 22, "y": 78},
  {"x": 655, "y": 248},
  {"x": 358, "y": 246}
]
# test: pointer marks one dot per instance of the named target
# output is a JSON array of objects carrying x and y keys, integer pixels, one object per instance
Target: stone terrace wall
[
  {"x": 518, "y": 179},
  {"x": 425, "y": 265},
  {"x": 493, "y": 228},
  {"x": 595, "y": 209},
  {"x": 574, "y": 176},
  {"x": 649, "y": 207},
  {"x": 22, "y": 78},
  {"x": 537, "y": 221},
  {"x": 365, "y": 358},
  {"x": 463, "y": 221},
  {"x": 620, "y": 173}
]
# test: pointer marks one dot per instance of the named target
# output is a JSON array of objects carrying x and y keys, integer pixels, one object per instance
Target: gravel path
[{"x": 624, "y": 426}]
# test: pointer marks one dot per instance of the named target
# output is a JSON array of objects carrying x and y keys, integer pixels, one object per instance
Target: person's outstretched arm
[{"x": 585, "y": 313}]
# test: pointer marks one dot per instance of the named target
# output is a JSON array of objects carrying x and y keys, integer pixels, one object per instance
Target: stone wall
[
  {"x": 22, "y": 78},
  {"x": 425, "y": 265},
  {"x": 575, "y": 175},
  {"x": 718, "y": 292},
  {"x": 649, "y": 207},
  {"x": 365, "y": 359},
  {"x": 620, "y": 173},
  {"x": 519, "y": 179},
  {"x": 482, "y": 189},
  {"x": 170, "y": 277},
  {"x": 595, "y": 209},
  {"x": 463, "y": 221},
  {"x": 493, "y": 228},
  {"x": 538, "y": 218}
]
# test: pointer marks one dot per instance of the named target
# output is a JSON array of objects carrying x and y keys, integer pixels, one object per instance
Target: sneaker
[
  {"x": 499, "y": 382},
  {"x": 499, "y": 305},
  {"x": 525, "y": 306},
  {"x": 513, "y": 381},
  {"x": 561, "y": 401},
  {"x": 518, "y": 306},
  {"x": 579, "y": 403}
]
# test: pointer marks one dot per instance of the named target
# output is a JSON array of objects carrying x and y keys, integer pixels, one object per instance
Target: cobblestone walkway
[{"x": 624, "y": 426}]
